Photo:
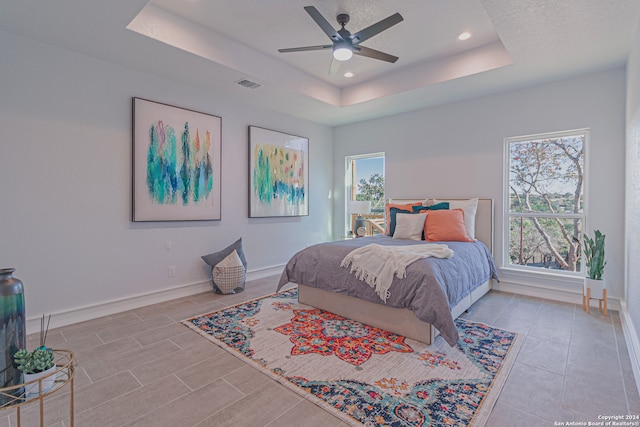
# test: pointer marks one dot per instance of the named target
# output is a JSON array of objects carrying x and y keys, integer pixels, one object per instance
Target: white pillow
[
  {"x": 409, "y": 226},
  {"x": 469, "y": 207},
  {"x": 231, "y": 260}
]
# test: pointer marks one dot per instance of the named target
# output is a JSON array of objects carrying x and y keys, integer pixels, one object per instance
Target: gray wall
[
  {"x": 456, "y": 150},
  {"x": 633, "y": 194},
  {"x": 65, "y": 179}
]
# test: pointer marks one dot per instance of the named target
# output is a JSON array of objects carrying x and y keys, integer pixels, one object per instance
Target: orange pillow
[
  {"x": 387, "y": 213},
  {"x": 446, "y": 225}
]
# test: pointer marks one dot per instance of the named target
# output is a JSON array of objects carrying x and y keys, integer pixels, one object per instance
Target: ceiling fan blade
[
  {"x": 375, "y": 54},
  {"x": 323, "y": 23},
  {"x": 335, "y": 66},
  {"x": 376, "y": 28},
  {"x": 305, "y": 48}
]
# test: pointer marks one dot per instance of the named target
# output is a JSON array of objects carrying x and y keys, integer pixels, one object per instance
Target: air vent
[{"x": 248, "y": 84}]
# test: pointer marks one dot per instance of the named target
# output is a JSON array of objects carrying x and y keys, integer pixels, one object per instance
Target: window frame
[
  {"x": 350, "y": 185},
  {"x": 507, "y": 215}
]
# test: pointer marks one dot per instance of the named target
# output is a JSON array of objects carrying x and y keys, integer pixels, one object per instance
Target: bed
[{"x": 435, "y": 292}]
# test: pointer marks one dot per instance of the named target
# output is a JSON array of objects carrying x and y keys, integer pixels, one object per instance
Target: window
[
  {"x": 544, "y": 198},
  {"x": 364, "y": 181}
]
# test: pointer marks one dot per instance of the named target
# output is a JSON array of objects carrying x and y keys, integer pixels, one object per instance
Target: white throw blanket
[{"x": 376, "y": 264}]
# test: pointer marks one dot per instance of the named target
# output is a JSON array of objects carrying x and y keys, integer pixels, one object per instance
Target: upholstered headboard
[{"x": 484, "y": 217}]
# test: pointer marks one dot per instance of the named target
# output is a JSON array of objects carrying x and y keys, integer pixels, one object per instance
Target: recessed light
[
  {"x": 464, "y": 36},
  {"x": 348, "y": 74}
]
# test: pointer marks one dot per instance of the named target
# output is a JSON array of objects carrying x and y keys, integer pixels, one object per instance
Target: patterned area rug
[{"x": 364, "y": 375}]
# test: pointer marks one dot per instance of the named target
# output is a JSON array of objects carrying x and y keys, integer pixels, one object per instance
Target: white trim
[
  {"x": 506, "y": 165},
  {"x": 551, "y": 292},
  {"x": 107, "y": 308},
  {"x": 632, "y": 340},
  {"x": 542, "y": 276},
  {"x": 348, "y": 184}
]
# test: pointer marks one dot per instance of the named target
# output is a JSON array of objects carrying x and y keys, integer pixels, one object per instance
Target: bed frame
[{"x": 401, "y": 321}]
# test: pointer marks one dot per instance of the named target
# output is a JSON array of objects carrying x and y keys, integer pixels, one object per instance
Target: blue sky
[{"x": 367, "y": 167}]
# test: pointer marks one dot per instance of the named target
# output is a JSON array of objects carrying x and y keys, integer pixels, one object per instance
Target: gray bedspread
[{"x": 431, "y": 288}]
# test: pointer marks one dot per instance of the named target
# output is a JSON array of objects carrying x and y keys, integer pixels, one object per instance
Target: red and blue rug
[{"x": 364, "y": 375}]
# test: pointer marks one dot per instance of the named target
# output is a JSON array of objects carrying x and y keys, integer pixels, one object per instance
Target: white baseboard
[
  {"x": 81, "y": 314},
  {"x": 552, "y": 293},
  {"x": 633, "y": 342}
]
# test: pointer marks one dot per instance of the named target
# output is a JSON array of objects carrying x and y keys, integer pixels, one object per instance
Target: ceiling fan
[{"x": 346, "y": 44}]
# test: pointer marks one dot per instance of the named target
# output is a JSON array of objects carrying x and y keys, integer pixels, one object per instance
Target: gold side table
[{"x": 16, "y": 397}]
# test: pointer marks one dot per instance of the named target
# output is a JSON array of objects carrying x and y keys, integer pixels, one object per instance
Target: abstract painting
[
  {"x": 176, "y": 163},
  {"x": 278, "y": 174}
]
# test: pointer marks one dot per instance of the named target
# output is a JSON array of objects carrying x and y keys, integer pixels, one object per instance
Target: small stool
[{"x": 602, "y": 303}]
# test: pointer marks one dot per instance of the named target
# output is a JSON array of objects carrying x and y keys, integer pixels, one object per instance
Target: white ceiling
[{"x": 214, "y": 43}]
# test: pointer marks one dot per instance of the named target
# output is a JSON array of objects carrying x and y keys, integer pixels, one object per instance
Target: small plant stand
[
  {"x": 602, "y": 302},
  {"x": 15, "y": 396}
]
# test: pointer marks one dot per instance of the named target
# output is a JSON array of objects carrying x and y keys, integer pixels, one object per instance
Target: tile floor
[{"x": 144, "y": 368}]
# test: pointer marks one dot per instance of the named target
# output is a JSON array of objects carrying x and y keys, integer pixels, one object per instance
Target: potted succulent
[
  {"x": 37, "y": 364},
  {"x": 594, "y": 262}
]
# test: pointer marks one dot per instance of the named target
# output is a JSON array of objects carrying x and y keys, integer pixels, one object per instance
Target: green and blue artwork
[
  {"x": 278, "y": 174},
  {"x": 179, "y": 168},
  {"x": 177, "y": 160}
]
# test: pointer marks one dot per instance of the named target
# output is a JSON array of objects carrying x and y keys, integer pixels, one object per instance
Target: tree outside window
[
  {"x": 372, "y": 189},
  {"x": 545, "y": 215}
]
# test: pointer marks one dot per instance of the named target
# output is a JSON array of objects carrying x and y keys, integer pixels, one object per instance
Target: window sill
[{"x": 540, "y": 278}]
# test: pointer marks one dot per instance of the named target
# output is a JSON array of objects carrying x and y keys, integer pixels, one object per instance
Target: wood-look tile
[
  {"x": 175, "y": 362},
  {"x": 585, "y": 386},
  {"x": 80, "y": 330},
  {"x": 105, "y": 351},
  {"x": 523, "y": 308},
  {"x": 211, "y": 367},
  {"x": 543, "y": 354},
  {"x": 533, "y": 390},
  {"x": 82, "y": 343},
  {"x": 247, "y": 378},
  {"x": 504, "y": 415},
  {"x": 306, "y": 414},
  {"x": 132, "y": 404},
  {"x": 205, "y": 298},
  {"x": 57, "y": 405},
  {"x": 128, "y": 358},
  {"x": 113, "y": 334},
  {"x": 558, "y": 333},
  {"x": 54, "y": 339},
  {"x": 150, "y": 312},
  {"x": 261, "y": 407},
  {"x": 596, "y": 356},
  {"x": 513, "y": 323},
  {"x": 556, "y": 312},
  {"x": 191, "y": 408},
  {"x": 159, "y": 334},
  {"x": 194, "y": 310},
  {"x": 101, "y": 391},
  {"x": 143, "y": 367},
  {"x": 187, "y": 339},
  {"x": 56, "y": 411},
  {"x": 488, "y": 308}
]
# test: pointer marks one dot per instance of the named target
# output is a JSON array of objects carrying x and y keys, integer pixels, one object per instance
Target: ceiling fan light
[{"x": 342, "y": 54}]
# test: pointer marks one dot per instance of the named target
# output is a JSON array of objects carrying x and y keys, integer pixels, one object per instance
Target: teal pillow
[
  {"x": 392, "y": 218},
  {"x": 415, "y": 210},
  {"x": 436, "y": 207}
]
